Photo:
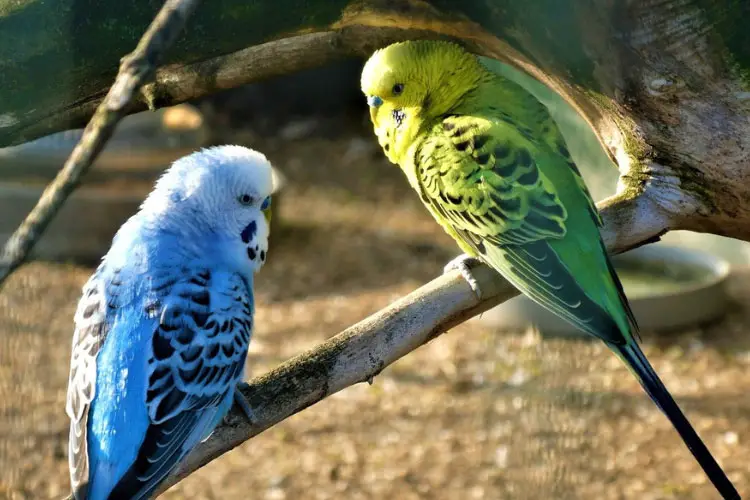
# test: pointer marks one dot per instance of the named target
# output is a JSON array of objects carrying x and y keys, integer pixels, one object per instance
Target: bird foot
[
  {"x": 240, "y": 401},
  {"x": 463, "y": 264}
]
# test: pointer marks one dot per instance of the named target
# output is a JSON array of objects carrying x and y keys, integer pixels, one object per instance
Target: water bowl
[{"x": 668, "y": 288}]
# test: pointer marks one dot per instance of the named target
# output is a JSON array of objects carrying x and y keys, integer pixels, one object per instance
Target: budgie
[
  {"x": 163, "y": 325},
  {"x": 492, "y": 168}
]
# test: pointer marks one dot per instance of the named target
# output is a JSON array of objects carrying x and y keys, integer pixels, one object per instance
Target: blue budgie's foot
[
  {"x": 240, "y": 400},
  {"x": 463, "y": 264}
]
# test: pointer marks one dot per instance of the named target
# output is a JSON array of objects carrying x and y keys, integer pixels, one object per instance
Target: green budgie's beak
[
  {"x": 267, "y": 215},
  {"x": 374, "y": 101}
]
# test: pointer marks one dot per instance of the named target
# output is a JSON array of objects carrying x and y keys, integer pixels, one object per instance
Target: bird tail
[{"x": 631, "y": 353}]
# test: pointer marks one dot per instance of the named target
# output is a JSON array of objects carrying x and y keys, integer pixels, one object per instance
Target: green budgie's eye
[
  {"x": 266, "y": 203},
  {"x": 245, "y": 199},
  {"x": 397, "y": 89}
]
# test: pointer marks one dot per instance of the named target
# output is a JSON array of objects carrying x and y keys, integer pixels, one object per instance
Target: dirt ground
[{"x": 475, "y": 414}]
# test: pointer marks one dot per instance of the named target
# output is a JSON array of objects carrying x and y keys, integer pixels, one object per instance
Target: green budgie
[{"x": 493, "y": 169}]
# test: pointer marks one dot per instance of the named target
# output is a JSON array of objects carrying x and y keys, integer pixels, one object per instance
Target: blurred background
[{"x": 509, "y": 405}]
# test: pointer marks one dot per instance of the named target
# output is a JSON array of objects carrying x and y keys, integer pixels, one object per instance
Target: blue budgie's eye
[
  {"x": 245, "y": 199},
  {"x": 266, "y": 203}
]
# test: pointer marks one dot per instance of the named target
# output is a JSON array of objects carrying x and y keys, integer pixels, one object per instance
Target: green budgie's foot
[
  {"x": 463, "y": 264},
  {"x": 240, "y": 400}
]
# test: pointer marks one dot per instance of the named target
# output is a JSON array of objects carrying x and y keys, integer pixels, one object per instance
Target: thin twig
[{"x": 135, "y": 69}]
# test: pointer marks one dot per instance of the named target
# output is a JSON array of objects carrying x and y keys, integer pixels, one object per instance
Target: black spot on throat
[
  {"x": 398, "y": 116},
  {"x": 249, "y": 232}
]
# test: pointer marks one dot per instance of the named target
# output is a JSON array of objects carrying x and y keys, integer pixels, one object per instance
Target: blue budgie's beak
[{"x": 374, "y": 101}]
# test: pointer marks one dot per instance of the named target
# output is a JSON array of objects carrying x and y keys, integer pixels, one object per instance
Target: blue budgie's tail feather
[
  {"x": 633, "y": 356},
  {"x": 102, "y": 475},
  {"x": 162, "y": 449}
]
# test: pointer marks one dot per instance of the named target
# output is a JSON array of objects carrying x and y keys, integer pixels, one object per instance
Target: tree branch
[
  {"x": 630, "y": 222},
  {"x": 362, "y": 351},
  {"x": 135, "y": 69},
  {"x": 177, "y": 83}
]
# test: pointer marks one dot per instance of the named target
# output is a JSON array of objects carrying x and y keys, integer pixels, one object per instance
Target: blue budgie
[{"x": 163, "y": 327}]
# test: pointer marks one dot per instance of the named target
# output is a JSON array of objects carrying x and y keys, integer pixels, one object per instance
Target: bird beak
[
  {"x": 374, "y": 101},
  {"x": 373, "y": 116},
  {"x": 277, "y": 182}
]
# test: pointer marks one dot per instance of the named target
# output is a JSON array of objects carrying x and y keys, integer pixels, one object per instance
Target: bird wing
[
  {"x": 197, "y": 358},
  {"x": 91, "y": 329},
  {"x": 201, "y": 322},
  {"x": 482, "y": 179},
  {"x": 487, "y": 185},
  {"x": 519, "y": 102}
]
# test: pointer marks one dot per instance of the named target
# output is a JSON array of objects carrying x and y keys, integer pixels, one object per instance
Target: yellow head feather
[{"x": 410, "y": 84}]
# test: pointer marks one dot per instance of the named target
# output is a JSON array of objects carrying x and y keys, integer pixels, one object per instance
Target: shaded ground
[{"x": 475, "y": 414}]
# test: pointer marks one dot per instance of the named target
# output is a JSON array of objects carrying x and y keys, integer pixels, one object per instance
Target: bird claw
[
  {"x": 463, "y": 264},
  {"x": 240, "y": 401}
]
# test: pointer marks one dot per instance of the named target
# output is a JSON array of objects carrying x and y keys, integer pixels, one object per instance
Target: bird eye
[
  {"x": 397, "y": 89},
  {"x": 266, "y": 203},
  {"x": 245, "y": 199}
]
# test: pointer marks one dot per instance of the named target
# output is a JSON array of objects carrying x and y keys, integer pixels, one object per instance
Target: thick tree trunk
[{"x": 663, "y": 83}]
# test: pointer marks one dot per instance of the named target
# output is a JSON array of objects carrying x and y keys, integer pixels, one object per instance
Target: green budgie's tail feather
[
  {"x": 536, "y": 270},
  {"x": 637, "y": 362},
  {"x": 634, "y": 330}
]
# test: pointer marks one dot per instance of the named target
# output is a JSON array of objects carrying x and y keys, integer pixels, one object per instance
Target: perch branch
[
  {"x": 135, "y": 69},
  {"x": 362, "y": 351}
]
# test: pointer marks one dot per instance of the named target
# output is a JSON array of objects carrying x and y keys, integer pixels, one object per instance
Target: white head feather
[{"x": 217, "y": 193}]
